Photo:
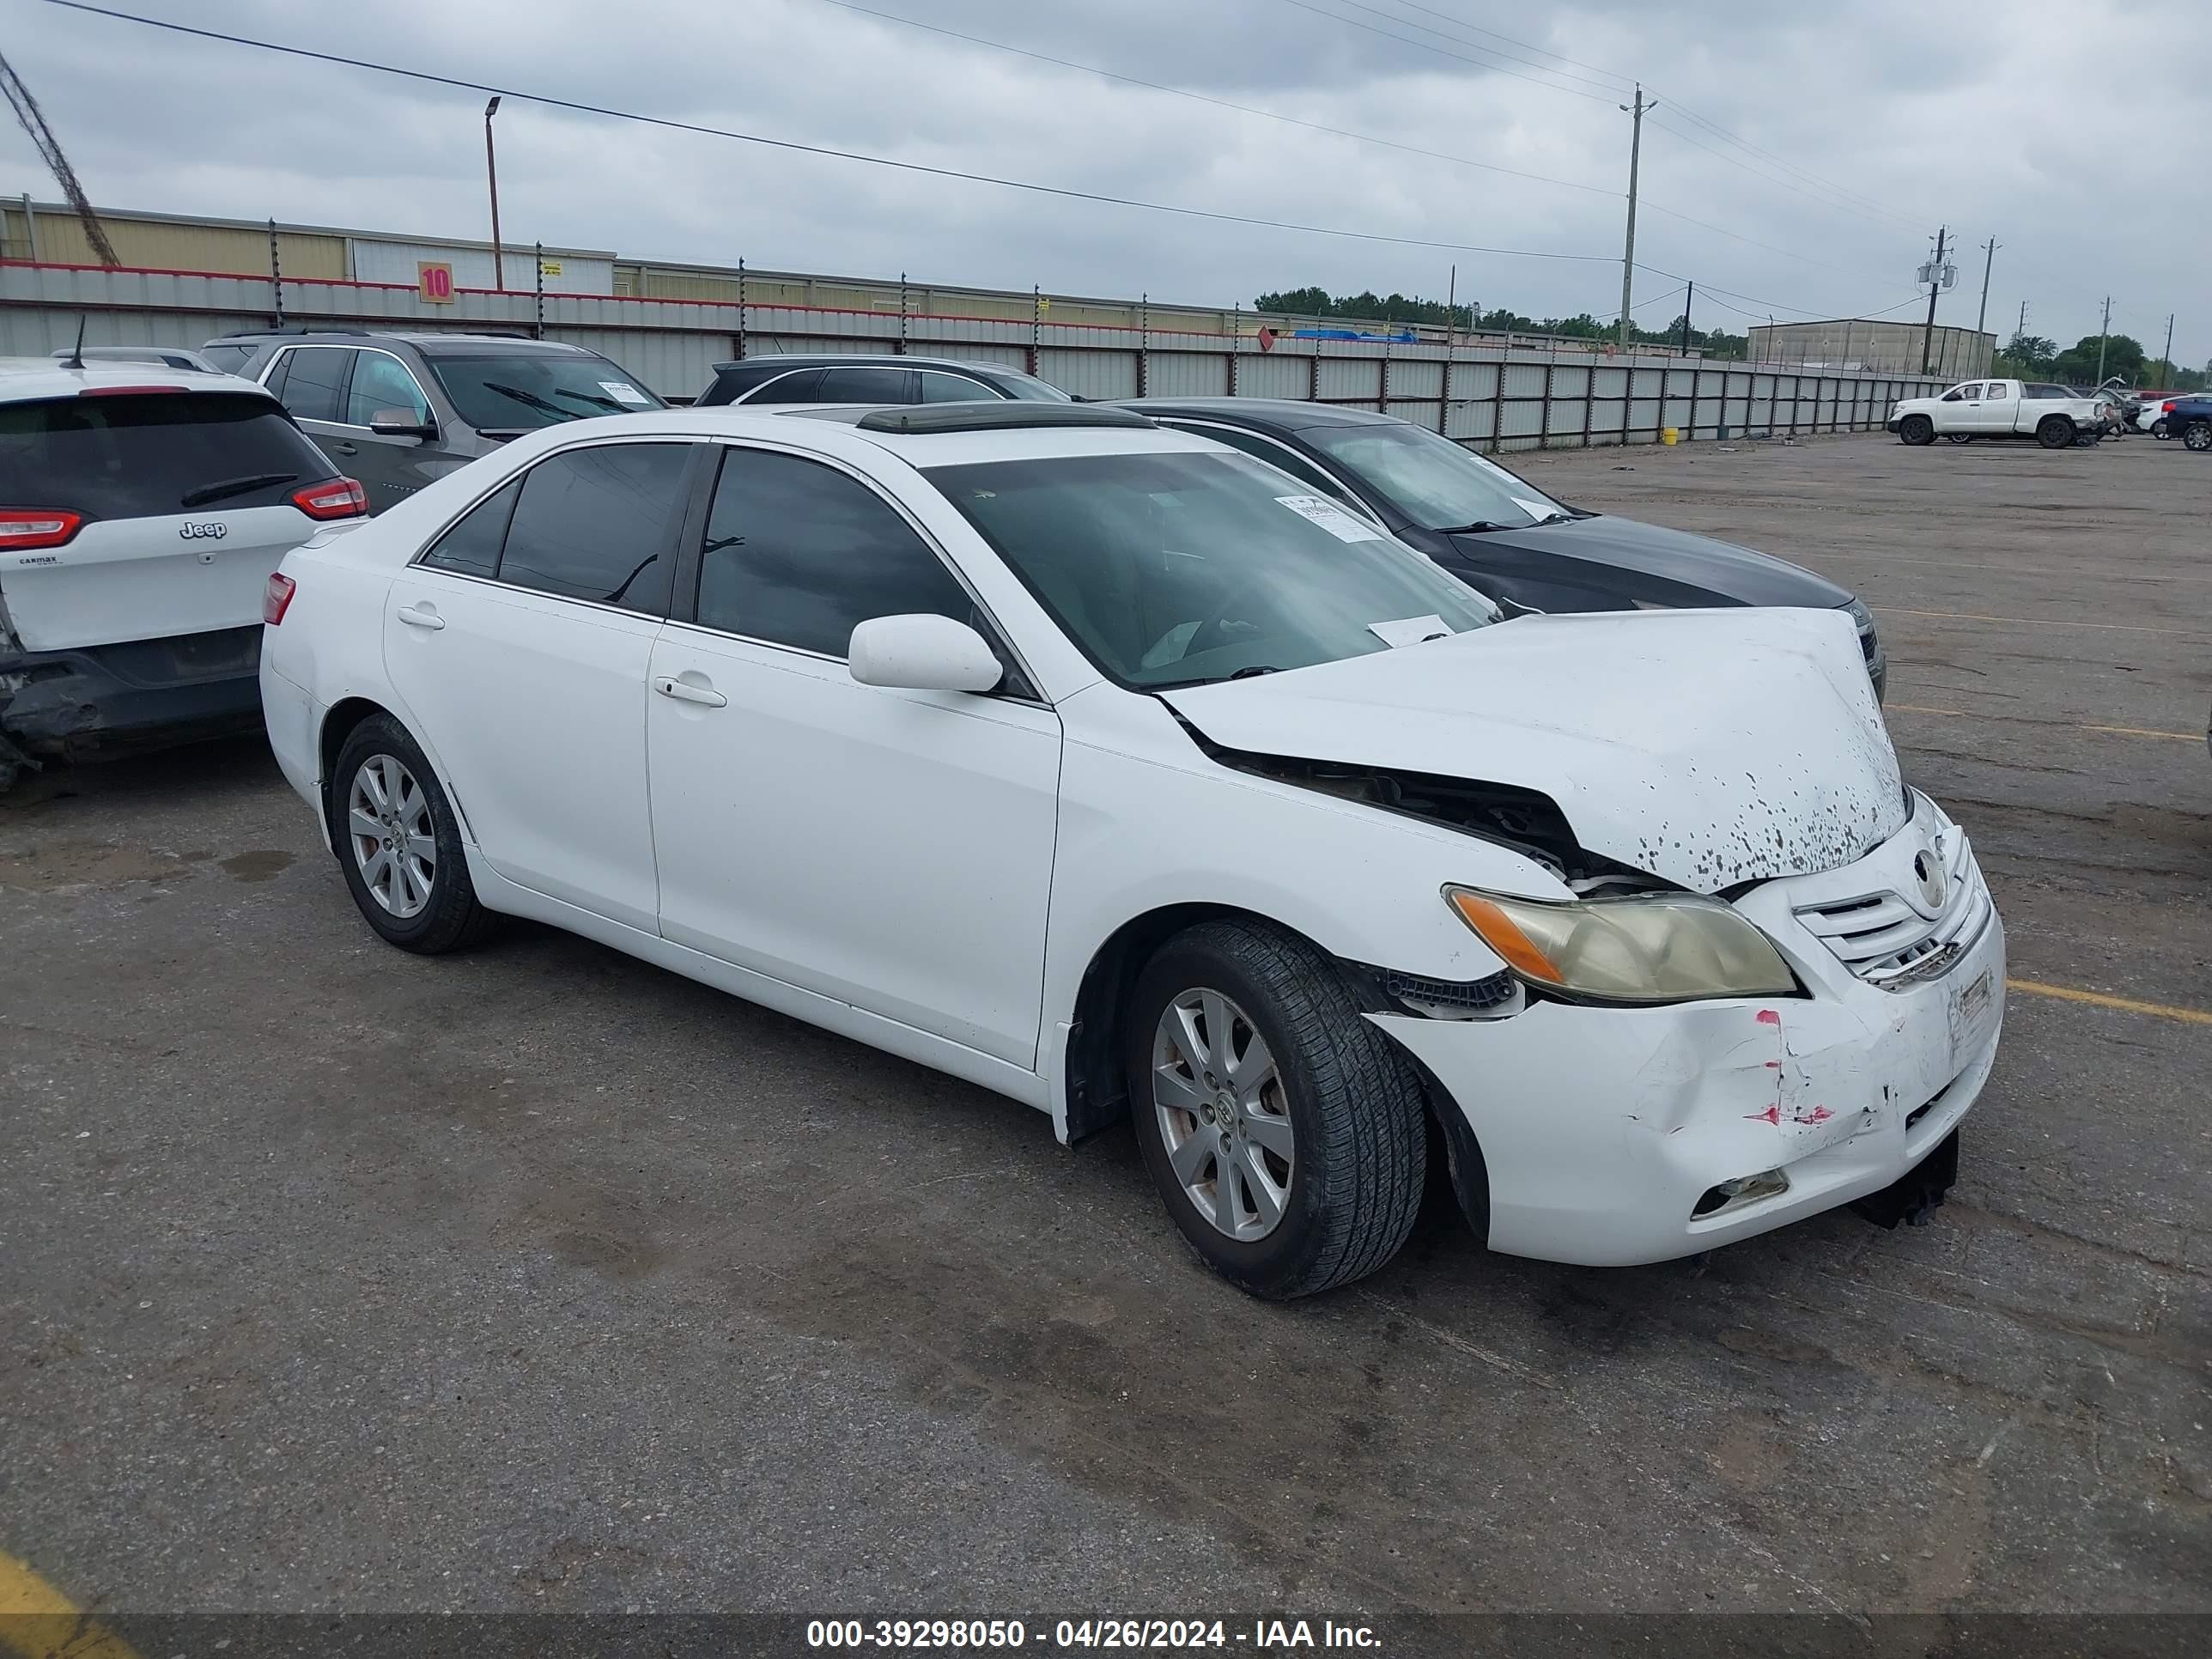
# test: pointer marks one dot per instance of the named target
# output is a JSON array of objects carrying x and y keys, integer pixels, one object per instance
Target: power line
[
  {"x": 1525, "y": 46},
  {"x": 1062, "y": 191},
  {"x": 1786, "y": 183},
  {"x": 1388, "y": 34},
  {"x": 1602, "y": 85}
]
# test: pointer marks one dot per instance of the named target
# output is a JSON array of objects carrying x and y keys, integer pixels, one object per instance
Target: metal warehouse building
[{"x": 1857, "y": 343}]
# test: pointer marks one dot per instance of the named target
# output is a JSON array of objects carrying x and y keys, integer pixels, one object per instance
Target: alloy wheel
[
  {"x": 395, "y": 845},
  {"x": 1223, "y": 1115}
]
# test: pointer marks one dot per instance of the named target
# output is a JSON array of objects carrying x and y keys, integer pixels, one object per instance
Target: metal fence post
[
  {"x": 1383, "y": 380},
  {"x": 1145, "y": 346},
  {"x": 1313, "y": 374},
  {"x": 276, "y": 275},
  {"x": 741, "y": 310},
  {"x": 1036, "y": 324},
  {"x": 538, "y": 331},
  {"x": 1235, "y": 346},
  {"x": 901, "y": 338}
]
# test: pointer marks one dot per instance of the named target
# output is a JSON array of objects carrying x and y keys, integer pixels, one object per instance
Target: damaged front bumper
[{"x": 1614, "y": 1136}]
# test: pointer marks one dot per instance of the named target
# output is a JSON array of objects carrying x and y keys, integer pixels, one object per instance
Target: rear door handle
[
  {"x": 343, "y": 447},
  {"x": 414, "y": 617},
  {"x": 684, "y": 691}
]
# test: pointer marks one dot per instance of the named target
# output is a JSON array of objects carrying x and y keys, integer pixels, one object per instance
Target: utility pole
[
  {"x": 1686, "y": 303},
  {"x": 2166, "y": 358},
  {"x": 1635, "y": 154},
  {"x": 491, "y": 175},
  {"x": 1935, "y": 287},
  {"x": 1982, "y": 316},
  {"x": 2104, "y": 330}
]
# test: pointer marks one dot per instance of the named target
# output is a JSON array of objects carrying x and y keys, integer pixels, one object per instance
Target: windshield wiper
[
  {"x": 1478, "y": 526},
  {"x": 531, "y": 399},
  {"x": 1255, "y": 670},
  {"x": 586, "y": 396},
  {"x": 1560, "y": 517},
  {"x": 227, "y": 487}
]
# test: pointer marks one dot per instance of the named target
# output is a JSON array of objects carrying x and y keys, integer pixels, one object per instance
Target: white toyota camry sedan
[{"x": 1110, "y": 770}]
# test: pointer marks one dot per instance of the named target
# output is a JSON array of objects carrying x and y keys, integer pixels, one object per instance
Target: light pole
[
  {"x": 491, "y": 176},
  {"x": 1628, "y": 253}
]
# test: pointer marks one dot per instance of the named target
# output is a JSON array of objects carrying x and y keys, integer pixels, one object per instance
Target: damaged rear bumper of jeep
[
  {"x": 142, "y": 693},
  {"x": 1615, "y": 1136}
]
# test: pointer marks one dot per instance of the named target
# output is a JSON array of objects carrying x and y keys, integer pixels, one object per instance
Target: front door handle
[
  {"x": 415, "y": 616},
  {"x": 343, "y": 447},
  {"x": 684, "y": 691}
]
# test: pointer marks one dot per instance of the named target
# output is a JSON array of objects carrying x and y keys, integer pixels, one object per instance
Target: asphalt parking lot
[{"x": 537, "y": 1278}]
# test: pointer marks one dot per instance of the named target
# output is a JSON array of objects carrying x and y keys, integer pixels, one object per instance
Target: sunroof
[{"x": 995, "y": 417}]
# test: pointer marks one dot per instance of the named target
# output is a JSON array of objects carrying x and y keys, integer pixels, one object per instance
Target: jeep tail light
[
  {"x": 277, "y": 597},
  {"x": 333, "y": 498},
  {"x": 24, "y": 527}
]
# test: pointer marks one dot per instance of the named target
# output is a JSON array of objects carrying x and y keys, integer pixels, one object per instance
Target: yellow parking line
[
  {"x": 37, "y": 1621},
  {"x": 2078, "y": 725},
  {"x": 2038, "y": 621},
  {"x": 2098, "y": 1000}
]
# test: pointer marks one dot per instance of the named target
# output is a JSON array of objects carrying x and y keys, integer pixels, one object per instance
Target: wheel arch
[{"x": 339, "y": 723}]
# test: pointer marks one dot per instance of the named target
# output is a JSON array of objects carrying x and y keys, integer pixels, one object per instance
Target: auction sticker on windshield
[
  {"x": 624, "y": 392},
  {"x": 1332, "y": 517}
]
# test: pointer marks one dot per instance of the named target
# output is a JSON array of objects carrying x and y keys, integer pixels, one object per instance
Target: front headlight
[
  {"x": 1665, "y": 947},
  {"x": 1861, "y": 618}
]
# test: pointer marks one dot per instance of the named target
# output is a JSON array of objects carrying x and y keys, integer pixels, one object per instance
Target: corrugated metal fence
[{"x": 1485, "y": 395}]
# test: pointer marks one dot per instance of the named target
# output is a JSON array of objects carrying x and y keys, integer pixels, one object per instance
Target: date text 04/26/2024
[{"x": 1262, "y": 1635}]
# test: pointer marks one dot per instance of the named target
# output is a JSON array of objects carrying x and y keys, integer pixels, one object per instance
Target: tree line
[
  {"x": 2032, "y": 357},
  {"x": 1372, "y": 309}
]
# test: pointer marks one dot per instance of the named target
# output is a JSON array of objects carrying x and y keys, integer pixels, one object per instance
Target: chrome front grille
[{"x": 1888, "y": 939}]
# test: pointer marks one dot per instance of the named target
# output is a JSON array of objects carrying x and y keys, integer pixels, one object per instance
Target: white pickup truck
[{"x": 2052, "y": 414}]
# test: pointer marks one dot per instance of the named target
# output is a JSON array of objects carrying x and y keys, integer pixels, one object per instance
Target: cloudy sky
[{"x": 1800, "y": 161}]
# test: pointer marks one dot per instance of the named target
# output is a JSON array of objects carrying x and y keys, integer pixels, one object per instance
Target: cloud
[{"x": 1815, "y": 151}]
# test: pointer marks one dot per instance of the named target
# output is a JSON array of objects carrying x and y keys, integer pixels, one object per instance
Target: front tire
[
  {"x": 2158, "y": 428},
  {"x": 2054, "y": 432},
  {"x": 1916, "y": 430},
  {"x": 1958, "y": 437},
  {"x": 1286, "y": 1133},
  {"x": 399, "y": 843},
  {"x": 2197, "y": 435}
]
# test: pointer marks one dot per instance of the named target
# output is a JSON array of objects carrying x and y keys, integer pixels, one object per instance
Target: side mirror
[
  {"x": 401, "y": 424},
  {"x": 922, "y": 653}
]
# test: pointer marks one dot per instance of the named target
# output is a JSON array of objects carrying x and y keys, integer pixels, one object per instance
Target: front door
[
  {"x": 521, "y": 643},
  {"x": 390, "y": 468},
  {"x": 892, "y": 849}
]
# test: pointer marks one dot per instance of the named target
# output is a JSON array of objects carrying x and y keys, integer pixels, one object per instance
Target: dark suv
[
  {"x": 787, "y": 377},
  {"x": 398, "y": 411}
]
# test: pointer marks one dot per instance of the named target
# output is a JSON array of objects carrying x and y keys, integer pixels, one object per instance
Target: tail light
[
  {"x": 333, "y": 498},
  {"x": 2166, "y": 408},
  {"x": 24, "y": 527},
  {"x": 277, "y": 597},
  {"x": 128, "y": 391}
]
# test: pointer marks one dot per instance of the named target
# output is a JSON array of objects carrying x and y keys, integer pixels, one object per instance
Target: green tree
[
  {"x": 2026, "y": 355},
  {"x": 2077, "y": 364}
]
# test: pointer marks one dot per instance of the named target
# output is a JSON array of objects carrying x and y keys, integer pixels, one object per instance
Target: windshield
[
  {"x": 1434, "y": 481},
  {"x": 518, "y": 391},
  {"x": 1178, "y": 569}
]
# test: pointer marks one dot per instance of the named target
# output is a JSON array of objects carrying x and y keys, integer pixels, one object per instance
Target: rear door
[
  {"x": 1998, "y": 408},
  {"x": 184, "y": 504}
]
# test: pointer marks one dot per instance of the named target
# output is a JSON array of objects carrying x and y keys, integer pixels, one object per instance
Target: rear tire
[
  {"x": 1916, "y": 430},
  {"x": 2158, "y": 428},
  {"x": 1323, "y": 1084},
  {"x": 1958, "y": 437},
  {"x": 399, "y": 843},
  {"x": 2197, "y": 435},
  {"x": 2054, "y": 432}
]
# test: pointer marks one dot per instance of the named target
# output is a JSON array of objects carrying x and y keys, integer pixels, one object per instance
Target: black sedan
[{"x": 1496, "y": 531}]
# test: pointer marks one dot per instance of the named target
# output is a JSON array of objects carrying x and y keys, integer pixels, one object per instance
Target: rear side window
[
  {"x": 598, "y": 523},
  {"x": 796, "y": 387},
  {"x": 797, "y": 554},
  {"x": 154, "y": 454},
  {"x": 313, "y": 386},
  {"x": 230, "y": 359},
  {"x": 471, "y": 546}
]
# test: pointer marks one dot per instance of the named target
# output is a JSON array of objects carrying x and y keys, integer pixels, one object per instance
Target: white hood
[{"x": 1707, "y": 747}]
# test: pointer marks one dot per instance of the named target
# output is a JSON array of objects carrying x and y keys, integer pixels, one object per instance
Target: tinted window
[
  {"x": 313, "y": 378},
  {"x": 1266, "y": 449},
  {"x": 519, "y": 390},
  {"x": 1176, "y": 569},
  {"x": 230, "y": 359},
  {"x": 152, "y": 455},
  {"x": 799, "y": 554},
  {"x": 864, "y": 385},
  {"x": 380, "y": 383},
  {"x": 796, "y": 387},
  {"x": 473, "y": 546},
  {"x": 939, "y": 388},
  {"x": 598, "y": 523}
]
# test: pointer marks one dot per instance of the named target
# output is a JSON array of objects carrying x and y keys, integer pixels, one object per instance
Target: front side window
[
  {"x": 381, "y": 384},
  {"x": 519, "y": 392},
  {"x": 314, "y": 382},
  {"x": 799, "y": 554},
  {"x": 1174, "y": 568},
  {"x": 598, "y": 523},
  {"x": 1435, "y": 483},
  {"x": 864, "y": 385}
]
